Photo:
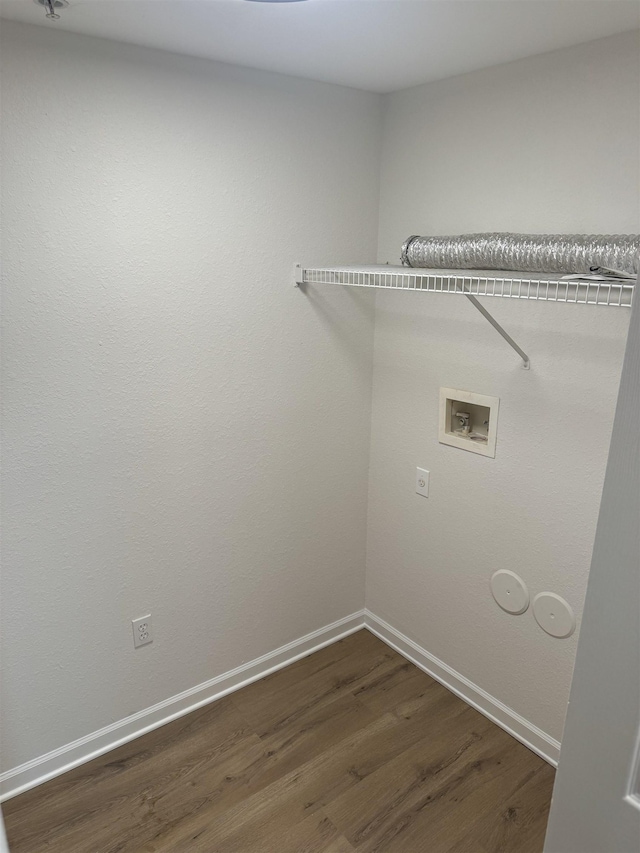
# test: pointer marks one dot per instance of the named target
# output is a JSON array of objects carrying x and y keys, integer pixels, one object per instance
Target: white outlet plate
[
  {"x": 422, "y": 482},
  {"x": 142, "y": 632}
]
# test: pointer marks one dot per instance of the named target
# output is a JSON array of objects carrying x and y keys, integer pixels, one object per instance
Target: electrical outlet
[
  {"x": 422, "y": 482},
  {"x": 142, "y": 631}
]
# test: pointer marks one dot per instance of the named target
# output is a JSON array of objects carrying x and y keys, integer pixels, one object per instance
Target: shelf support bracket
[
  {"x": 298, "y": 280},
  {"x": 526, "y": 364}
]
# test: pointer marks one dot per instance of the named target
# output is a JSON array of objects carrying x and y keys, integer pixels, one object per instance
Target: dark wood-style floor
[{"x": 349, "y": 749}]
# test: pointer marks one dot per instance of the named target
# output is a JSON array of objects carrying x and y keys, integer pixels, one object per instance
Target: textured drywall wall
[
  {"x": 186, "y": 433},
  {"x": 592, "y": 810},
  {"x": 546, "y": 144}
]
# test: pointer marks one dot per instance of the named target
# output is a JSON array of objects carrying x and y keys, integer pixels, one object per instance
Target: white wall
[
  {"x": 188, "y": 434},
  {"x": 185, "y": 432},
  {"x": 595, "y": 804},
  {"x": 548, "y": 144}
]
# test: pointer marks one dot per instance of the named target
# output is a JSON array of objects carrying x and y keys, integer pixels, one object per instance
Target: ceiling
[{"x": 378, "y": 45}]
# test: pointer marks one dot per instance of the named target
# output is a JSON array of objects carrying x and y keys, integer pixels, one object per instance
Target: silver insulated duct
[{"x": 559, "y": 253}]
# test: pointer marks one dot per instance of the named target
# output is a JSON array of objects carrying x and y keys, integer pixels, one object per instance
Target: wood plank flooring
[{"x": 350, "y": 749}]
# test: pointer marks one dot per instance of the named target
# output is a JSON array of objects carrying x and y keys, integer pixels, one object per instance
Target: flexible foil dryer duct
[{"x": 561, "y": 253}]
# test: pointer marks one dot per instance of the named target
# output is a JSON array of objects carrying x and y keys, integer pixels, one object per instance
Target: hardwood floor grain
[{"x": 350, "y": 749}]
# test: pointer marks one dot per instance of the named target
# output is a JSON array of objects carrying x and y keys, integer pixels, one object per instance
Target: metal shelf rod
[
  {"x": 526, "y": 363},
  {"x": 506, "y": 285}
]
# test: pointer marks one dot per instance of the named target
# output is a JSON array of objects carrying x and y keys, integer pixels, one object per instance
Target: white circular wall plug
[
  {"x": 510, "y": 591},
  {"x": 554, "y": 615}
]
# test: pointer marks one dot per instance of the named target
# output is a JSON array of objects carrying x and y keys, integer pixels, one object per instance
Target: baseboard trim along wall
[
  {"x": 80, "y": 751},
  {"x": 521, "y": 729}
]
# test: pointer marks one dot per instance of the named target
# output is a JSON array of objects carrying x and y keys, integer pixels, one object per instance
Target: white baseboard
[
  {"x": 85, "y": 749},
  {"x": 524, "y": 731},
  {"x": 54, "y": 763}
]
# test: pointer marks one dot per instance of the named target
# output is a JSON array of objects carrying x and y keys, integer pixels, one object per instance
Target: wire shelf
[{"x": 538, "y": 286}]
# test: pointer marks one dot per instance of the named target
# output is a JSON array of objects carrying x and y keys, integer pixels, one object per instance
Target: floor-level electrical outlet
[
  {"x": 142, "y": 631},
  {"x": 422, "y": 482}
]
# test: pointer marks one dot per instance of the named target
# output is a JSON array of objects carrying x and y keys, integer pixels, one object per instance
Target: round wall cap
[
  {"x": 554, "y": 615},
  {"x": 510, "y": 591}
]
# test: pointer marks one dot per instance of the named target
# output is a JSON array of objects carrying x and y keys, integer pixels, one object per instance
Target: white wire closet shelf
[
  {"x": 509, "y": 285},
  {"x": 474, "y": 283}
]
